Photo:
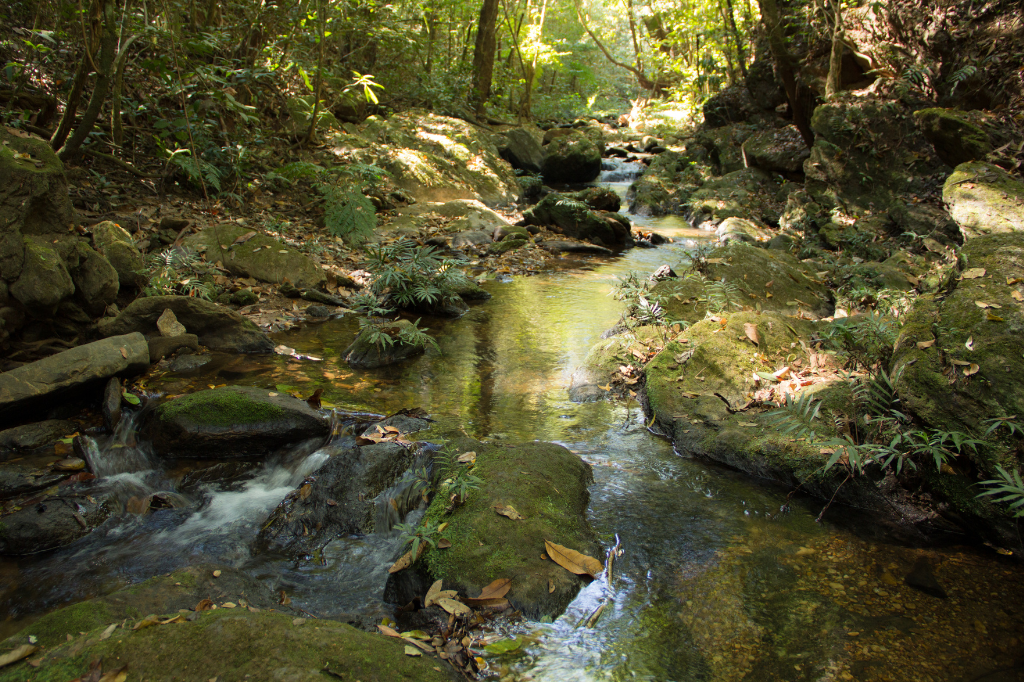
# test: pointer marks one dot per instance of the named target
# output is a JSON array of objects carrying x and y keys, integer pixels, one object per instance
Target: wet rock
[
  {"x": 740, "y": 230},
  {"x": 507, "y": 245},
  {"x": 117, "y": 247},
  {"x": 161, "y": 347},
  {"x": 111, "y": 406},
  {"x": 223, "y": 475},
  {"x": 780, "y": 150},
  {"x": 665, "y": 185},
  {"x": 558, "y": 246},
  {"x": 511, "y": 232},
  {"x": 318, "y": 311},
  {"x": 236, "y": 643},
  {"x": 44, "y": 281},
  {"x": 51, "y": 521},
  {"x": 231, "y": 423},
  {"x": 592, "y": 380},
  {"x": 38, "y": 434},
  {"x": 522, "y": 150},
  {"x": 922, "y": 577},
  {"x": 364, "y": 354},
  {"x": 217, "y": 327},
  {"x": 748, "y": 193},
  {"x": 187, "y": 363},
  {"x": 955, "y": 138},
  {"x": 468, "y": 290},
  {"x": 17, "y": 480},
  {"x": 260, "y": 257},
  {"x": 599, "y": 199},
  {"x": 340, "y": 499},
  {"x": 487, "y": 546},
  {"x": 403, "y": 422},
  {"x": 574, "y": 157},
  {"x": 471, "y": 238},
  {"x": 984, "y": 199},
  {"x": 574, "y": 219},
  {"x": 37, "y": 382}
]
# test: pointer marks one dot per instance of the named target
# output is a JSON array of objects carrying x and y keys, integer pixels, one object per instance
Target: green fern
[
  {"x": 348, "y": 213},
  {"x": 1009, "y": 488}
]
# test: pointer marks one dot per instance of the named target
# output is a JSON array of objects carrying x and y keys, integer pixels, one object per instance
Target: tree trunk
[
  {"x": 483, "y": 55},
  {"x": 741, "y": 52},
  {"x": 116, "y": 128},
  {"x": 318, "y": 83},
  {"x": 108, "y": 46},
  {"x": 786, "y": 69},
  {"x": 835, "y": 62},
  {"x": 91, "y": 43}
]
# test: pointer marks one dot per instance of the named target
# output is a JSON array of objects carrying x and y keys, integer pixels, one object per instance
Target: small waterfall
[
  {"x": 121, "y": 454},
  {"x": 405, "y": 496},
  {"x": 620, "y": 170}
]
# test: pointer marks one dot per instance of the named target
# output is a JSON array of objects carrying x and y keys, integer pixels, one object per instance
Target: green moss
[
  {"x": 955, "y": 138},
  {"x": 220, "y": 407},
  {"x": 53, "y": 629},
  {"x": 510, "y": 243},
  {"x": 235, "y": 645},
  {"x": 547, "y": 485}
]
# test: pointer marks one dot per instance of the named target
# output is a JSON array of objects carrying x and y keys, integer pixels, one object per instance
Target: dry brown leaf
[
  {"x": 305, "y": 491},
  {"x": 499, "y": 603},
  {"x": 466, "y": 458},
  {"x": 925, "y": 344},
  {"x": 108, "y": 632},
  {"x": 973, "y": 369},
  {"x": 985, "y": 304},
  {"x": 551, "y": 585},
  {"x": 498, "y": 588},
  {"x": 418, "y": 644},
  {"x": 432, "y": 593},
  {"x": 207, "y": 604},
  {"x": 1010, "y": 281},
  {"x": 124, "y": 352},
  {"x": 390, "y": 632},
  {"x": 1017, "y": 296},
  {"x": 407, "y": 560},
  {"x": 138, "y": 505},
  {"x": 970, "y": 343},
  {"x": 973, "y": 273},
  {"x": 17, "y": 654},
  {"x": 750, "y": 329},
  {"x": 573, "y": 561},
  {"x": 148, "y": 621},
  {"x": 444, "y": 543},
  {"x": 244, "y": 238},
  {"x": 961, "y": 363},
  {"x": 509, "y": 511},
  {"x": 412, "y": 651},
  {"x": 180, "y": 618},
  {"x": 456, "y": 608},
  {"x": 119, "y": 675}
]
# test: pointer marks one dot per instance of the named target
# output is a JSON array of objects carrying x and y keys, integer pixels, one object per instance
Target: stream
[{"x": 721, "y": 577}]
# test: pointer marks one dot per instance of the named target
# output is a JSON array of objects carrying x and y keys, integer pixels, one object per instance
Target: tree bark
[
  {"x": 108, "y": 46},
  {"x": 90, "y": 43},
  {"x": 318, "y": 83},
  {"x": 483, "y": 55},
  {"x": 786, "y": 68},
  {"x": 741, "y": 52},
  {"x": 835, "y": 62}
]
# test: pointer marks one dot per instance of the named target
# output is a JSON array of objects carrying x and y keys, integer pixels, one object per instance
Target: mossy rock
[
  {"x": 747, "y": 193},
  {"x": 724, "y": 146},
  {"x": 984, "y": 199},
  {"x": 603, "y": 361},
  {"x": 260, "y": 257},
  {"x": 574, "y": 157},
  {"x": 510, "y": 243},
  {"x": 232, "y": 422},
  {"x": 96, "y": 280},
  {"x": 767, "y": 280},
  {"x": 230, "y": 645},
  {"x": 564, "y": 215},
  {"x": 363, "y": 353},
  {"x": 781, "y": 150},
  {"x": 44, "y": 281},
  {"x": 666, "y": 184},
  {"x": 547, "y": 485},
  {"x": 117, "y": 246},
  {"x": 955, "y": 138}
]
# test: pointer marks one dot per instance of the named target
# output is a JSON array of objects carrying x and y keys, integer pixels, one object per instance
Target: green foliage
[
  {"x": 454, "y": 476},
  {"x": 1007, "y": 489},
  {"x": 643, "y": 307},
  {"x": 406, "y": 275},
  {"x": 177, "y": 271},
  {"x": 348, "y": 212},
  {"x": 865, "y": 340},
  {"x": 426, "y": 532}
]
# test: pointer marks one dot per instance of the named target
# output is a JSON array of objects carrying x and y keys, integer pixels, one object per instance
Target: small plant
[
  {"x": 866, "y": 340},
  {"x": 425, "y": 533},
  {"x": 456, "y": 481},
  {"x": 1009, "y": 488},
  {"x": 177, "y": 271}
]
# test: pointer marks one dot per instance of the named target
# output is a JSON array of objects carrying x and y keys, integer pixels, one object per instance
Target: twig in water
[
  {"x": 611, "y": 557},
  {"x": 818, "y": 520}
]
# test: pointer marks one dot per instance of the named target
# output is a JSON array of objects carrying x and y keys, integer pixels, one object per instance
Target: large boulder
[
  {"x": 666, "y": 184},
  {"x": 44, "y": 380},
  {"x": 218, "y": 327},
  {"x": 44, "y": 281},
  {"x": 730, "y": 105},
  {"x": 758, "y": 279},
  {"x": 574, "y": 157},
  {"x": 955, "y": 138},
  {"x": 764, "y": 87},
  {"x": 436, "y": 158},
  {"x": 341, "y": 499},
  {"x": 749, "y": 194},
  {"x": 96, "y": 281},
  {"x": 260, "y": 257},
  {"x": 984, "y": 199},
  {"x": 117, "y": 246},
  {"x": 780, "y": 150},
  {"x": 34, "y": 197},
  {"x": 522, "y": 150},
  {"x": 232, "y": 422},
  {"x": 56, "y": 519},
  {"x": 258, "y": 641},
  {"x": 37, "y": 434},
  {"x": 486, "y": 546},
  {"x": 573, "y": 218}
]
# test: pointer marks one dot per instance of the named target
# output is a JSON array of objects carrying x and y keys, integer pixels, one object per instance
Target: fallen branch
[{"x": 123, "y": 164}]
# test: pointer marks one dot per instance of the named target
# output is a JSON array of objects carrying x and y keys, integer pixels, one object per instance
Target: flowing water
[{"x": 720, "y": 577}]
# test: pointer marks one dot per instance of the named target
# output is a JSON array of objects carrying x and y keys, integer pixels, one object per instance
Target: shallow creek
[{"x": 721, "y": 577}]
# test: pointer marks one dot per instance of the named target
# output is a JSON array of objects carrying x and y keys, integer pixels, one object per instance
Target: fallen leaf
[
  {"x": 456, "y": 608},
  {"x": 207, "y": 604},
  {"x": 298, "y": 621},
  {"x": 606, "y": 387},
  {"x": 750, "y": 329},
  {"x": 412, "y": 651},
  {"x": 228, "y": 605},
  {"x": 418, "y": 644},
  {"x": 146, "y": 622},
  {"x": 503, "y": 646},
  {"x": 984, "y": 304},
  {"x": 1010, "y": 281},
  {"x": 1017, "y": 296},
  {"x": 305, "y": 491},
  {"x": 973, "y": 369},
  {"x": 109, "y": 631},
  {"x": 466, "y": 458},
  {"x": 17, "y": 654},
  {"x": 970, "y": 343},
  {"x": 444, "y": 543},
  {"x": 497, "y": 603},
  {"x": 124, "y": 353},
  {"x": 432, "y": 593},
  {"x": 216, "y": 574},
  {"x": 407, "y": 560},
  {"x": 925, "y": 344},
  {"x": 573, "y": 561},
  {"x": 390, "y": 632},
  {"x": 973, "y": 273},
  {"x": 509, "y": 511},
  {"x": 961, "y": 363},
  {"x": 992, "y": 317},
  {"x": 498, "y": 588},
  {"x": 119, "y": 675},
  {"x": 244, "y": 238},
  {"x": 551, "y": 585},
  {"x": 180, "y": 618},
  {"x": 138, "y": 505}
]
